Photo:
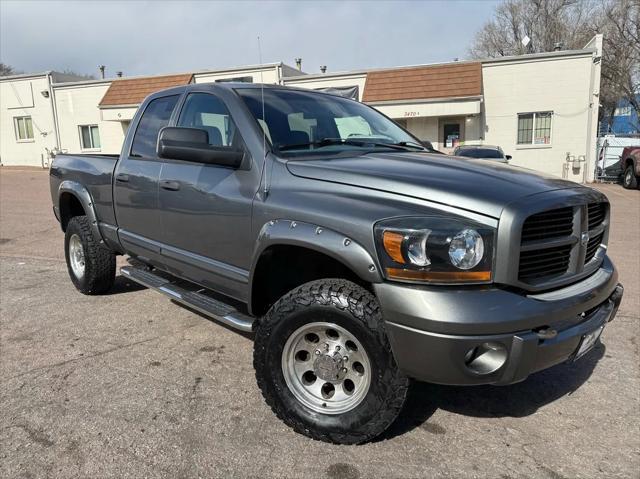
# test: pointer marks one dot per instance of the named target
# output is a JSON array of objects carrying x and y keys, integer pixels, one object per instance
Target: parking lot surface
[{"x": 131, "y": 385}]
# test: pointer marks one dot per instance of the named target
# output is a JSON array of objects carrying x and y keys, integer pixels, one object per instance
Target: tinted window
[
  {"x": 294, "y": 118},
  {"x": 155, "y": 117},
  {"x": 480, "y": 153},
  {"x": 207, "y": 112}
]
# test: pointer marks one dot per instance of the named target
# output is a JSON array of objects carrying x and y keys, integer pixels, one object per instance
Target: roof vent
[
  {"x": 119, "y": 74},
  {"x": 298, "y": 63},
  {"x": 323, "y": 69},
  {"x": 557, "y": 46}
]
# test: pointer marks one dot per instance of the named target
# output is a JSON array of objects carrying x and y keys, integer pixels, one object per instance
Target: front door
[
  {"x": 451, "y": 136},
  {"x": 135, "y": 186},
  {"x": 206, "y": 209}
]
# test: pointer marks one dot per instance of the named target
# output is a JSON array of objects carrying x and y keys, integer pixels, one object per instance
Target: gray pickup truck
[{"x": 359, "y": 259}]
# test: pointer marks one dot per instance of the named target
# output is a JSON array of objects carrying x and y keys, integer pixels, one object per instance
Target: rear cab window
[{"x": 155, "y": 117}]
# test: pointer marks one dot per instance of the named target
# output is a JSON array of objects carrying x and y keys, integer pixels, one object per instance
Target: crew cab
[{"x": 359, "y": 259}]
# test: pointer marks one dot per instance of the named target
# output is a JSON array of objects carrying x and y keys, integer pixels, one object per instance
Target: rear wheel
[
  {"x": 629, "y": 180},
  {"x": 91, "y": 266},
  {"x": 324, "y": 364}
]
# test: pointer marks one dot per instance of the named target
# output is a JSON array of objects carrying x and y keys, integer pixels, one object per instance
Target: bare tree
[
  {"x": 571, "y": 23},
  {"x": 6, "y": 70},
  {"x": 85, "y": 76},
  {"x": 620, "y": 26},
  {"x": 544, "y": 22}
]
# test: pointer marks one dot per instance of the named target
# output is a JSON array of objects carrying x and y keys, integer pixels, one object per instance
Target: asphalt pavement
[{"x": 132, "y": 385}]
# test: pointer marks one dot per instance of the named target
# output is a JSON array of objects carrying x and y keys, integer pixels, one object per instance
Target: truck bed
[{"x": 94, "y": 172}]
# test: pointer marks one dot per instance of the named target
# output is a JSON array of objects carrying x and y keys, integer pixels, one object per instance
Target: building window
[
  {"x": 246, "y": 79},
  {"x": 89, "y": 137},
  {"x": 534, "y": 128},
  {"x": 623, "y": 111},
  {"x": 24, "y": 128}
]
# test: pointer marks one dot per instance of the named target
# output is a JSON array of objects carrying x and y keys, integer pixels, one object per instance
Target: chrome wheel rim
[
  {"x": 76, "y": 256},
  {"x": 326, "y": 368},
  {"x": 627, "y": 177}
]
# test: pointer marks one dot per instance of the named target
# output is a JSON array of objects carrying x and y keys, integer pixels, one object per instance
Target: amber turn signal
[
  {"x": 438, "y": 276},
  {"x": 392, "y": 242}
]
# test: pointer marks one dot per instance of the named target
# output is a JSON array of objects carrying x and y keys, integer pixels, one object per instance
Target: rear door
[
  {"x": 136, "y": 178},
  {"x": 206, "y": 209}
]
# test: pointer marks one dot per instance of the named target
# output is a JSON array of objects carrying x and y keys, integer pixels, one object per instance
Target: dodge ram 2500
[{"x": 358, "y": 259}]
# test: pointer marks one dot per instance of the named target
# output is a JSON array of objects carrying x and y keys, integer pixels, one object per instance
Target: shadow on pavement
[
  {"x": 517, "y": 400},
  {"x": 124, "y": 285}
]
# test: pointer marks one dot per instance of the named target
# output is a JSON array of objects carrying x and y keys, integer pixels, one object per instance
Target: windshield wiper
[
  {"x": 323, "y": 142},
  {"x": 340, "y": 141},
  {"x": 411, "y": 144}
]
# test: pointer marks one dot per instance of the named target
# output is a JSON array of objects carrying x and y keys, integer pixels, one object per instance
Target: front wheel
[
  {"x": 324, "y": 364},
  {"x": 629, "y": 180}
]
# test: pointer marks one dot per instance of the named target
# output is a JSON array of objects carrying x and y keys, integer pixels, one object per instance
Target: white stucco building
[
  {"x": 27, "y": 117},
  {"x": 542, "y": 108}
]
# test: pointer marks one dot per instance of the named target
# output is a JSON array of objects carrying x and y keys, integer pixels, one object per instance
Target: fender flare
[
  {"x": 323, "y": 240},
  {"x": 84, "y": 197}
]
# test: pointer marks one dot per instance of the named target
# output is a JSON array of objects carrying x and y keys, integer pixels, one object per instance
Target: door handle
[
  {"x": 122, "y": 177},
  {"x": 170, "y": 185}
]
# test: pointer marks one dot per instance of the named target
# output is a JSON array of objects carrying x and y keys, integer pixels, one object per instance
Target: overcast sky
[{"x": 142, "y": 38}]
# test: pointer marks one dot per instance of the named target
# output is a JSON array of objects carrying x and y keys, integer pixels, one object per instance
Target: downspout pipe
[{"x": 54, "y": 110}]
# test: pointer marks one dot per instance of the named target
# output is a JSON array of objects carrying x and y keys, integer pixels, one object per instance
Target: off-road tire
[
  {"x": 629, "y": 179},
  {"x": 355, "y": 309},
  {"x": 100, "y": 262}
]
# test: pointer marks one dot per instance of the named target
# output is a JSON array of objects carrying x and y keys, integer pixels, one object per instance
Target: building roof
[
  {"x": 132, "y": 91},
  {"x": 55, "y": 76},
  {"x": 439, "y": 81}
]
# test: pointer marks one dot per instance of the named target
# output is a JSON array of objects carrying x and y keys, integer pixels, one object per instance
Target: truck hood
[{"x": 475, "y": 185}]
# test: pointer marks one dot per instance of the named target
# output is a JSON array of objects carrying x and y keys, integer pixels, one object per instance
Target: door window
[
  {"x": 207, "y": 112},
  {"x": 155, "y": 117}
]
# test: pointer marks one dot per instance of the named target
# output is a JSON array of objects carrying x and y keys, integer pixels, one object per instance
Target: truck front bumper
[{"x": 489, "y": 335}]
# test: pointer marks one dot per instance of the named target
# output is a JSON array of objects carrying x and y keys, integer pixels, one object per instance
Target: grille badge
[{"x": 584, "y": 238}]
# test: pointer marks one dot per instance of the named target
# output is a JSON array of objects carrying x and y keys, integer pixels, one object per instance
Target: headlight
[
  {"x": 435, "y": 250},
  {"x": 466, "y": 249}
]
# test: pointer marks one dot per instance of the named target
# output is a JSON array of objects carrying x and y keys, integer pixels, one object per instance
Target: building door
[{"x": 451, "y": 134}]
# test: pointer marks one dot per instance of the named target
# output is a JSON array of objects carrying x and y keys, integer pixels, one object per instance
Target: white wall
[
  {"x": 78, "y": 105},
  {"x": 561, "y": 85},
  {"x": 425, "y": 128},
  {"x": 23, "y": 97},
  {"x": 320, "y": 81},
  {"x": 264, "y": 75}
]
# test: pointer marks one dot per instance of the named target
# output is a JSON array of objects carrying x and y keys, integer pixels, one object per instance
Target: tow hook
[
  {"x": 546, "y": 333},
  {"x": 616, "y": 299}
]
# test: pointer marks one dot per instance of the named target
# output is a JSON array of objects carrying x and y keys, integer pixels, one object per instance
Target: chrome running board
[{"x": 191, "y": 296}]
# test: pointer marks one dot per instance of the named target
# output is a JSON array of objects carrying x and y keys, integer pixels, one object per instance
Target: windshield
[
  {"x": 300, "y": 122},
  {"x": 480, "y": 153}
]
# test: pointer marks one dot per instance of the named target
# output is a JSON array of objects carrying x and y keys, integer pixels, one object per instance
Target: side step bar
[{"x": 193, "y": 298}]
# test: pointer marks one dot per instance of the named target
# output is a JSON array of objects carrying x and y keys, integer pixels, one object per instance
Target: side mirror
[
  {"x": 508, "y": 157},
  {"x": 192, "y": 144}
]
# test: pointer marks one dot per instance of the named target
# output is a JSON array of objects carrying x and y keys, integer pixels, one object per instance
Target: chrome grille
[
  {"x": 545, "y": 262},
  {"x": 596, "y": 214},
  {"x": 548, "y": 224},
  {"x": 560, "y": 243},
  {"x": 592, "y": 247}
]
